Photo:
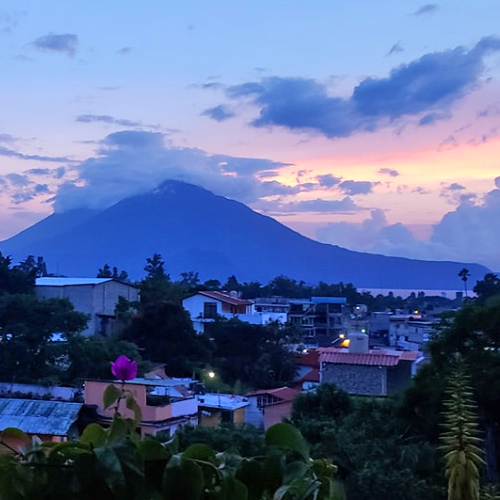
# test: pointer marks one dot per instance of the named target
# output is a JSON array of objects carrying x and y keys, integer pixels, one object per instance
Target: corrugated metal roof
[
  {"x": 224, "y": 297},
  {"x": 38, "y": 417},
  {"x": 70, "y": 281}
]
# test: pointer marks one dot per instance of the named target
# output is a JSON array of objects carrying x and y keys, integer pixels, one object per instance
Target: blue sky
[{"x": 372, "y": 125}]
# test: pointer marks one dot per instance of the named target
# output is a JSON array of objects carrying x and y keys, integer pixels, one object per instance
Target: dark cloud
[
  {"x": 328, "y": 180},
  {"x": 6, "y": 138},
  {"x": 424, "y": 89},
  {"x": 395, "y": 48},
  {"x": 65, "y": 43},
  {"x": 20, "y": 188},
  {"x": 17, "y": 179},
  {"x": 124, "y": 51},
  {"x": 429, "y": 8},
  {"x": 319, "y": 205},
  {"x": 132, "y": 162},
  {"x": 56, "y": 173},
  {"x": 219, "y": 113},
  {"x": 455, "y": 186},
  {"x": 15, "y": 154},
  {"x": 357, "y": 187},
  {"x": 107, "y": 119},
  {"x": 269, "y": 173},
  {"x": 388, "y": 171}
]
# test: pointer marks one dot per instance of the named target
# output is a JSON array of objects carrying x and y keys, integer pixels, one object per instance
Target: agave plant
[{"x": 461, "y": 441}]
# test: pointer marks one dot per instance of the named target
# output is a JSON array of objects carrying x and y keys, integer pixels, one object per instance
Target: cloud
[
  {"x": 328, "y": 180},
  {"x": 429, "y": 8},
  {"x": 424, "y": 89},
  {"x": 65, "y": 43},
  {"x": 55, "y": 173},
  {"x": 395, "y": 48},
  {"x": 20, "y": 188},
  {"x": 467, "y": 234},
  {"x": 318, "y": 205},
  {"x": 219, "y": 113},
  {"x": 133, "y": 162},
  {"x": 388, "y": 171},
  {"x": 122, "y": 122},
  {"x": 124, "y": 51},
  {"x": 357, "y": 187},
  {"x": 15, "y": 154}
]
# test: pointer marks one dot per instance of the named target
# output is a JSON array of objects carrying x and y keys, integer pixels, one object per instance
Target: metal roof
[
  {"x": 38, "y": 416},
  {"x": 328, "y": 300},
  {"x": 70, "y": 281}
]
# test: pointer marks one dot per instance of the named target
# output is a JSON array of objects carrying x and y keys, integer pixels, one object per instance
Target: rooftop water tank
[{"x": 358, "y": 342}]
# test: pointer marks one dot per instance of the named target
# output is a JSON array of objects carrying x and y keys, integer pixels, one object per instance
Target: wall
[
  {"x": 274, "y": 414},
  {"x": 91, "y": 299},
  {"x": 356, "y": 379}
]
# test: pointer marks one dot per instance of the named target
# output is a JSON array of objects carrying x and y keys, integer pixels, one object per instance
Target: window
[{"x": 210, "y": 310}]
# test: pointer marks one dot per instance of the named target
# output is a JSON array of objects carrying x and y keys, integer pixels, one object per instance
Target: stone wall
[{"x": 356, "y": 379}]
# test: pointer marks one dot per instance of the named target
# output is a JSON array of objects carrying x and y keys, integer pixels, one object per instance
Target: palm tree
[
  {"x": 460, "y": 440},
  {"x": 464, "y": 274}
]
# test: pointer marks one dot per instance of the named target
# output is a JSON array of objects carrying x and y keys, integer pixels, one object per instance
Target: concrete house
[
  {"x": 96, "y": 297},
  {"x": 409, "y": 331},
  {"x": 206, "y": 306},
  {"x": 269, "y": 406},
  {"x": 364, "y": 372},
  {"x": 215, "y": 409},
  {"x": 321, "y": 319},
  {"x": 166, "y": 404}
]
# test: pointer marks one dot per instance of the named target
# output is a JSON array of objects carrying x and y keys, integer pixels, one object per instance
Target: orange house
[{"x": 166, "y": 404}]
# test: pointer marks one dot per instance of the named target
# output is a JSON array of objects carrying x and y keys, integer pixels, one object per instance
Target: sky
[{"x": 370, "y": 125}]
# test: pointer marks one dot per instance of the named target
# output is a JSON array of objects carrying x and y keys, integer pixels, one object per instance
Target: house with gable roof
[
  {"x": 206, "y": 306},
  {"x": 361, "y": 371},
  {"x": 269, "y": 406}
]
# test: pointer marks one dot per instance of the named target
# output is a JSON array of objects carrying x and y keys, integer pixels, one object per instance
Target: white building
[
  {"x": 96, "y": 297},
  {"x": 409, "y": 332},
  {"x": 207, "y": 306}
]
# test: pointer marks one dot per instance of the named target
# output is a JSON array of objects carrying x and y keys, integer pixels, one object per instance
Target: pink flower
[{"x": 124, "y": 368}]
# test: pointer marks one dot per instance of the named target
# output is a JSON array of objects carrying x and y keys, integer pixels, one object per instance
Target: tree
[
  {"x": 488, "y": 287},
  {"x": 107, "y": 272},
  {"x": 15, "y": 279},
  {"x": 464, "y": 275},
  {"x": 164, "y": 333},
  {"x": 155, "y": 268},
  {"x": 255, "y": 355},
  {"x": 26, "y": 328}
]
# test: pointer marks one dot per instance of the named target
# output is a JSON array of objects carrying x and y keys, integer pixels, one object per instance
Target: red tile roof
[
  {"x": 310, "y": 358},
  {"x": 225, "y": 297},
  {"x": 312, "y": 376},
  {"x": 371, "y": 358}
]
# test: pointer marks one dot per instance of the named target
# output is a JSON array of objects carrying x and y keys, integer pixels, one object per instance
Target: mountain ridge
[{"x": 196, "y": 230}]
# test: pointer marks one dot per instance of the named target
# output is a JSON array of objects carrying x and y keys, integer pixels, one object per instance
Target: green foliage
[
  {"x": 107, "y": 272},
  {"x": 253, "y": 354},
  {"x": 114, "y": 463},
  {"x": 376, "y": 455},
  {"x": 26, "y": 327},
  {"x": 165, "y": 334},
  {"x": 245, "y": 440},
  {"x": 17, "y": 279}
]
